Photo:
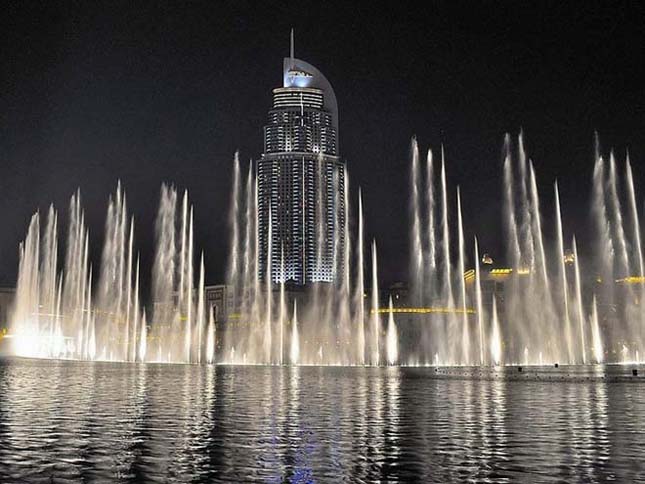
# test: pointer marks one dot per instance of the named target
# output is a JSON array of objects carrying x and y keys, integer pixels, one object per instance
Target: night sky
[{"x": 146, "y": 93}]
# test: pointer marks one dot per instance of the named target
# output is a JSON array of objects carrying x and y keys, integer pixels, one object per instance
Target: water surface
[{"x": 64, "y": 421}]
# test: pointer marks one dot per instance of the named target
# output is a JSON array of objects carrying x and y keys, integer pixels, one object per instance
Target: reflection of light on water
[
  {"x": 392, "y": 421},
  {"x": 498, "y": 421},
  {"x": 601, "y": 423},
  {"x": 300, "y": 424},
  {"x": 392, "y": 338}
]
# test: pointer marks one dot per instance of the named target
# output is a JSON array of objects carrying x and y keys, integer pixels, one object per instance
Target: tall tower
[{"x": 301, "y": 180}]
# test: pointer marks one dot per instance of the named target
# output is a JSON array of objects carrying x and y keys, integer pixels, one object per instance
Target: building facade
[{"x": 301, "y": 181}]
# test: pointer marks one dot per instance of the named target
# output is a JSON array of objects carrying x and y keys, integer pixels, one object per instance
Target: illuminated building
[{"x": 301, "y": 180}]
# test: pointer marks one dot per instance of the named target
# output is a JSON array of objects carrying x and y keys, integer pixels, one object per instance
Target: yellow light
[
  {"x": 500, "y": 272},
  {"x": 425, "y": 310},
  {"x": 632, "y": 280}
]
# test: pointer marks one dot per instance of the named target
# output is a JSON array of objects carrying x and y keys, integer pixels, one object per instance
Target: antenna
[{"x": 292, "y": 48}]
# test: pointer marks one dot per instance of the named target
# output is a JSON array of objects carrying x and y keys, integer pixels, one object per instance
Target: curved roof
[{"x": 298, "y": 73}]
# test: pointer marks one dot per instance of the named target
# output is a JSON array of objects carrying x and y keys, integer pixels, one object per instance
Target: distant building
[
  {"x": 301, "y": 180},
  {"x": 217, "y": 301}
]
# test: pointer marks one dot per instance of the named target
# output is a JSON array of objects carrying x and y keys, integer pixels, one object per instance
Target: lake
[{"x": 64, "y": 421}]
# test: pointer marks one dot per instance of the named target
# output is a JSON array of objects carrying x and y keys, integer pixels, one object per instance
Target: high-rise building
[{"x": 301, "y": 180}]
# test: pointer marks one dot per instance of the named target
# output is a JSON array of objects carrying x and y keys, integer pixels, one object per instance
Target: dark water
[{"x": 100, "y": 422}]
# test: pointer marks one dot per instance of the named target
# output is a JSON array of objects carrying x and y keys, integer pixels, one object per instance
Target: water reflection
[{"x": 86, "y": 422}]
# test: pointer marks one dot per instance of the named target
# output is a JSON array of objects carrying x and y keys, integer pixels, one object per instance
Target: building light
[
  {"x": 424, "y": 310},
  {"x": 469, "y": 275},
  {"x": 501, "y": 272},
  {"x": 632, "y": 280}
]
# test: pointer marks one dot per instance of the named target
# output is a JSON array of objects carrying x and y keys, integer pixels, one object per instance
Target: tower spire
[{"x": 292, "y": 48}]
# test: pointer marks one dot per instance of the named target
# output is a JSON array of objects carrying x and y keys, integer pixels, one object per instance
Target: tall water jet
[
  {"x": 233, "y": 270},
  {"x": 76, "y": 288},
  {"x": 129, "y": 294},
  {"x": 496, "y": 337},
  {"x": 564, "y": 286},
  {"x": 59, "y": 347},
  {"x": 376, "y": 330},
  {"x": 432, "y": 259},
  {"x": 512, "y": 236},
  {"x": 188, "y": 290},
  {"x": 210, "y": 339},
  {"x": 247, "y": 297},
  {"x": 137, "y": 317},
  {"x": 295, "y": 337},
  {"x": 392, "y": 338},
  {"x": 605, "y": 248},
  {"x": 579, "y": 310},
  {"x": 537, "y": 227},
  {"x": 255, "y": 311},
  {"x": 431, "y": 332},
  {"x": 513, "y": 248},
  {"x": 115, "y": 281},
  {"x": 282, "y": 309},
  {"x": 416, "y": 261},
  {"x": 447, "y": 277},
  {"x": 164, "y": 270},
  {"x": 345, "y": 316},
  {"x": 201, "y": 310},
  {"x": 617, "y": 257},
  {"x": 636, "y": 227},
  {"x": 89, "y": 340},
  {"x": 174, "y": 324},
  {"x": 449, "y": 333},
  {"x": 596, "y": 338},
  {"x": 465, "y": 334},
  {"x": 480, "y": 308},
  {"x": 91, "y": 345},
  {"x": 269, "y": 299},
  {"x": 183, "y": 253},
  {"x": 143, "y": 340},
  {"x": 617, "y": 218},
  {"x": 25, "y": 319},
  {"x": 48, "y": 289},
  {"x": 526, "y": 232},
  {"x": 638, "y": 312},
  {"x": 360, "y": 287}
]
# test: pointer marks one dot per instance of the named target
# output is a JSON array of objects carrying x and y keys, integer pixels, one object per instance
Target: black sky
[{"x": 152, "y": 92}]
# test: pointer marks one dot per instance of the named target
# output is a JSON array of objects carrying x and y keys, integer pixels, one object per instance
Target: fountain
[
  {"x": 553, "y": 309},
  {"x": 496, "y": 338},
  {"x": 58, "y": 314},
  {"x": 392, "y": 338},
  {"x": 295, "y": 337}
]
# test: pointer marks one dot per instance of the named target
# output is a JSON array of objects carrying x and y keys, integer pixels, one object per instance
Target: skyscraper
[{"x": 301, "y": 180}]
